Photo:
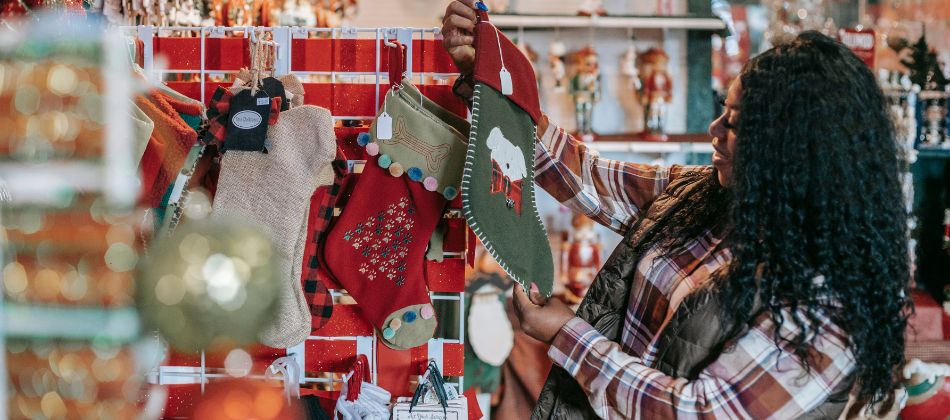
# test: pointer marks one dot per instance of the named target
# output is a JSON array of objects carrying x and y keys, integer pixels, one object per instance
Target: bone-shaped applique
[{"x": 434, "y": 155}]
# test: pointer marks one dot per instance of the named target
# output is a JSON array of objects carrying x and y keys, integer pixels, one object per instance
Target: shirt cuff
[
  {"x": 549, "y": 136},
  {"x": 572, "y": 343}
]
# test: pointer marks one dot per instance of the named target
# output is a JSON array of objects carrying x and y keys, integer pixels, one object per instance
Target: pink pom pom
[
  {"x": 372, "y": 149},
  {"x": 427, "y": 312},
  {"x": 430, "y": 183}
]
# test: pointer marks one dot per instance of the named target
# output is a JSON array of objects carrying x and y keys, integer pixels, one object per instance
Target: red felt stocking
[{"x": 376, "y": 250}]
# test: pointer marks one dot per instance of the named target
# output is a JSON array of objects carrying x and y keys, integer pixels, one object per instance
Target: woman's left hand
[{"x": 540, "y": 318}]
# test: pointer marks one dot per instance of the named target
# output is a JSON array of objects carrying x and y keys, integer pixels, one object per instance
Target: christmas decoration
[
  {"x": 556, "y": 54},
  {"x": 592, "y": 8},
  {"x": 787, "y": 18},
  {"x": 656, "y": 92},
  {"x": 273, "y": 190},
  {"x": 489, "y": 330},
  {"x": 297, "y": 13},
  {"x": 925, "y": 71},
  {"x": 628, "y": 66},
  {"x": 585, "y": 89},
  {"x": 235, "y": 399},
  {"x": 497, "y": 186},
  {"x": 928, "y": 390},
  {"x": 580, "y": 258},
  {"x": 376, "y": 251},
  {"x": 209, "y": 282},
  {"x": 360, "y": 399},
  {"x": 426, "y": 140}
]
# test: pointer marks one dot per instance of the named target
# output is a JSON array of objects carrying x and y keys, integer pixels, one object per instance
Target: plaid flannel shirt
[{"x": 755, "y": 378}]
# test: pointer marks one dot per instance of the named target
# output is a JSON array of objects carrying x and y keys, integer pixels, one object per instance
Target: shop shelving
[
  {"x": 633, "y": 143},
  {"x": 652, "y": 147},
  {"x": 526, "y": 21}
]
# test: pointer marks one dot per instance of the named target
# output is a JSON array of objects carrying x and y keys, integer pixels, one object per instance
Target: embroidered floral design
[{"x": 383, "y": 241}]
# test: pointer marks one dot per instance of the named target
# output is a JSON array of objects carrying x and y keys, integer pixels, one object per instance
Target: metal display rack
[{"x": 351, "y": 65}]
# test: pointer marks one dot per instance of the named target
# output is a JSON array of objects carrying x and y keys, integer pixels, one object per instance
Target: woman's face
[{"x": 723, "y": 131}]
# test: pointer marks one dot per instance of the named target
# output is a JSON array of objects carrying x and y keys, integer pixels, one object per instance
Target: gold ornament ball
[{"x": 210, "y": 283}]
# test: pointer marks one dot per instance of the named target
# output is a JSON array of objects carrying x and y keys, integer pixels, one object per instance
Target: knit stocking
[
  {"x": 376, "y": 251},
  {"x": 273, "y": 190}
]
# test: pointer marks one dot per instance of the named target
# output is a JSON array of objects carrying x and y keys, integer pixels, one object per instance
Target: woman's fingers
[
  {"x": 463, "y": 8},
  {"x": 458, "y": 25},
  {"x": 458, "y": 41},
  {"x": 536, "y": 297}
]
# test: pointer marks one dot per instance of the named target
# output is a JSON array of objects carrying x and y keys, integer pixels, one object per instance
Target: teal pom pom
[
  {"x": 385, "y": 161},
  {"x": 415, "y": 174},
  {"x": 388, "y": 333},
  {"x": 363, "y": 139},
  {"x": 450, "y": 192},
  {"x": 409, "y": 317}
]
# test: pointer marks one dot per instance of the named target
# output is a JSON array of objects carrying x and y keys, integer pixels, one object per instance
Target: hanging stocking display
[
  {"x": 497, "y": 185},
  {"x": 384, "y": 230},
  {"x": 273, "y": 190}
]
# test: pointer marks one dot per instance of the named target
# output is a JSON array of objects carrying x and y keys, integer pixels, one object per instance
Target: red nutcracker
[
  {"x": 580, "y": 258},
  {"x": 656, "y": 92}
]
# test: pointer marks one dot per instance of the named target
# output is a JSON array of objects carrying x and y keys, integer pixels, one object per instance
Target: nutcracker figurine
[
  {"x": 580, "y": 258},
  {"x": 591, "y": 8},
  {"x": 585, "y": 88},
  {"x": 656, "y": 92},
  {"x": 556, "y": 54},
  {"x": 628, "y": 67}
]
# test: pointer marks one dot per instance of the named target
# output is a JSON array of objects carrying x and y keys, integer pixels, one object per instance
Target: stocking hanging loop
[{"x": 397, "y": 63}]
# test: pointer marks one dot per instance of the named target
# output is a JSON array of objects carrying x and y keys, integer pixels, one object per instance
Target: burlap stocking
[{"x": 273, "y": 190}]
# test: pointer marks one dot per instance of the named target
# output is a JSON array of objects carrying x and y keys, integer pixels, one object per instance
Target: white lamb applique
[{"x": 508, "y": 169}]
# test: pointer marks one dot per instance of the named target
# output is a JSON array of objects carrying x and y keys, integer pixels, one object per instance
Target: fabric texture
[
  {"x": 219, "y": 113},
  {"x": 428, "y": 141},
  {"x": 376, "y": 251},
  {"x": 322, "y": 206},
  {"x": 493, "y": 50},
  {"x": 617, "y": 359},
  {"x": 142, "y": 127},
  {"x": 273, "y": 191},
  {"x": 497, "y": 192},
  {"x": 170, "y": 142}
]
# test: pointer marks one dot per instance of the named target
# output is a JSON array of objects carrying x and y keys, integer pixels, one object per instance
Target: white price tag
[
  {"x": 506, "y": 86},
  {"x": 263, "y": 101},
  {"x": 384, "y": 126}
]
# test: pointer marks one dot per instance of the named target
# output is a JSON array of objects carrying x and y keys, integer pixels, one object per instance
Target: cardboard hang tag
[
  {"x": 247, "y": 122},
  {"x": 384, "y": 126},
  {"x": 507, "y": 88}
]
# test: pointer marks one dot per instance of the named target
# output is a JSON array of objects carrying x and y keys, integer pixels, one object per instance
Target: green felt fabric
[
  {"x": 425, "y": 136},
  {"x": 504, "y": 134}
]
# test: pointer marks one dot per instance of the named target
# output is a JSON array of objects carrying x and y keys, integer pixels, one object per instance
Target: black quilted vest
[{"x": 691, "y": 340}]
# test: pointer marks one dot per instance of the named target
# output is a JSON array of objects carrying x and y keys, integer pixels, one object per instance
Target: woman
[{"x": 772, "y": 284}]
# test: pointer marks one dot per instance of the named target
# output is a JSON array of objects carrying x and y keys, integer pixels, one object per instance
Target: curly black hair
[{"x": 815, "y": 191}]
